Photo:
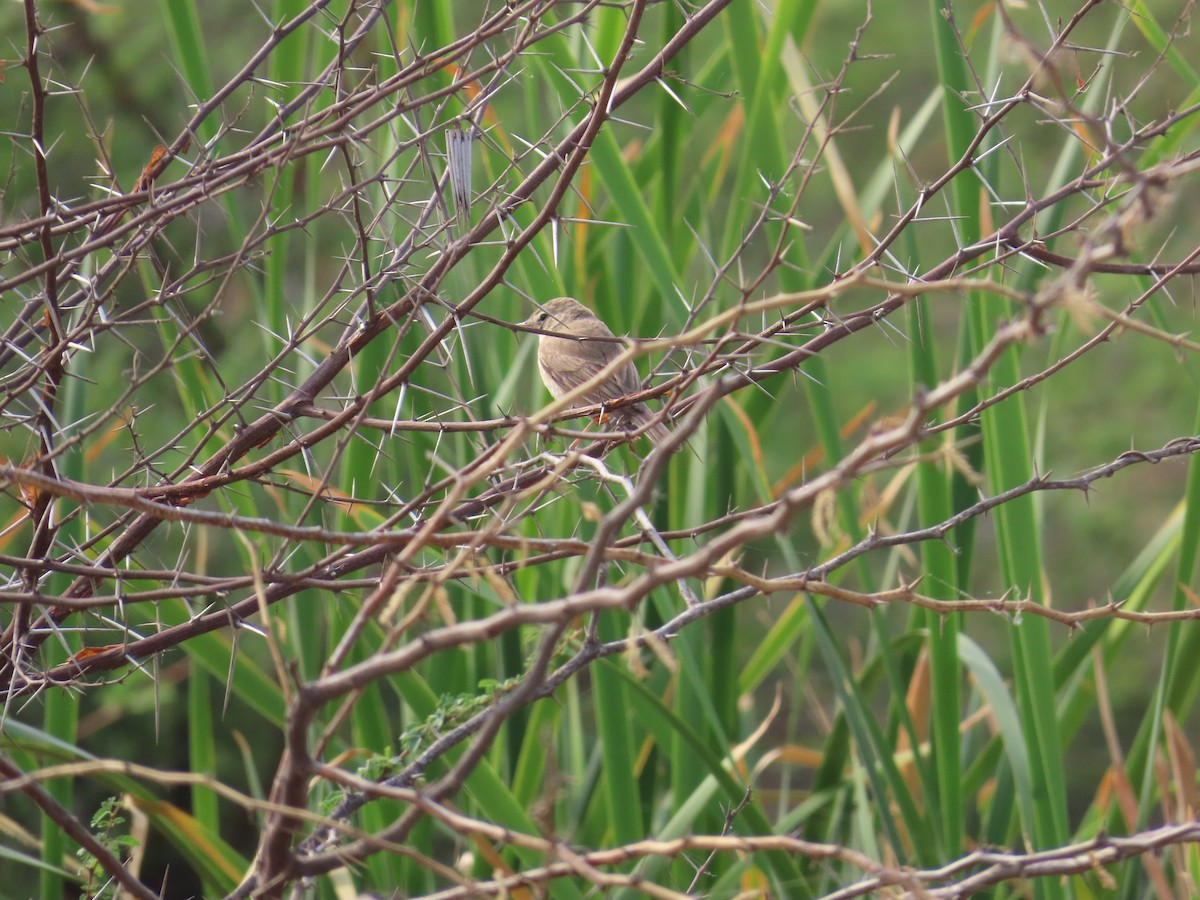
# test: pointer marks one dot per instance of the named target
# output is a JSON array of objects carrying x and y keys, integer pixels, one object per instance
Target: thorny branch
[{"x": 393, "y": 322}]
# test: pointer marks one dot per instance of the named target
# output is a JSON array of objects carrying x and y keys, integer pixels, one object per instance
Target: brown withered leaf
[
  {"x": 88, "y": 652},
  {"x": 150, "y": 171},
  {"x": 91, "y": 6}
]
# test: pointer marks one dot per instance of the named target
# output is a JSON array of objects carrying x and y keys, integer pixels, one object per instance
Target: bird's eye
[{"x": 542, "y": 318}]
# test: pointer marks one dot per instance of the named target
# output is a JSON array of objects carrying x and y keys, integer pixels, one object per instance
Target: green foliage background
[{"x": 1006, "y": 710}]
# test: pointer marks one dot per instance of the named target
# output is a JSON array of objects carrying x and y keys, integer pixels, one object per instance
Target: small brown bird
[{"x": 566, "y": 363}]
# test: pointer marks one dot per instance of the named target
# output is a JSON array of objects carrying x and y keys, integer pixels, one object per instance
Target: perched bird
[{"x": 568, "y": 362}]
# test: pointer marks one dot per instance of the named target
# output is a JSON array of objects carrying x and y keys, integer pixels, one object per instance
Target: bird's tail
[{"x": 657, "y": 432}]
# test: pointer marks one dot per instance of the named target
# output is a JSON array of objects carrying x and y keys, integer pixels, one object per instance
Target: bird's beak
[{"x": 552, "y": 325}]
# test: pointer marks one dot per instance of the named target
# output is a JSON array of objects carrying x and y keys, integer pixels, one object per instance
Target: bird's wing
[{"x": 572, "y": 363}]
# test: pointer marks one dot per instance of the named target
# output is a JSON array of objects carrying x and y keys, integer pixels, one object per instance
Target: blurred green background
[{"x": 702, "y": 174}]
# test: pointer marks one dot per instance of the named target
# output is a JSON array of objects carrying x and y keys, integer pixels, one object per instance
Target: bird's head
[{"x": 558, "y": 314}]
